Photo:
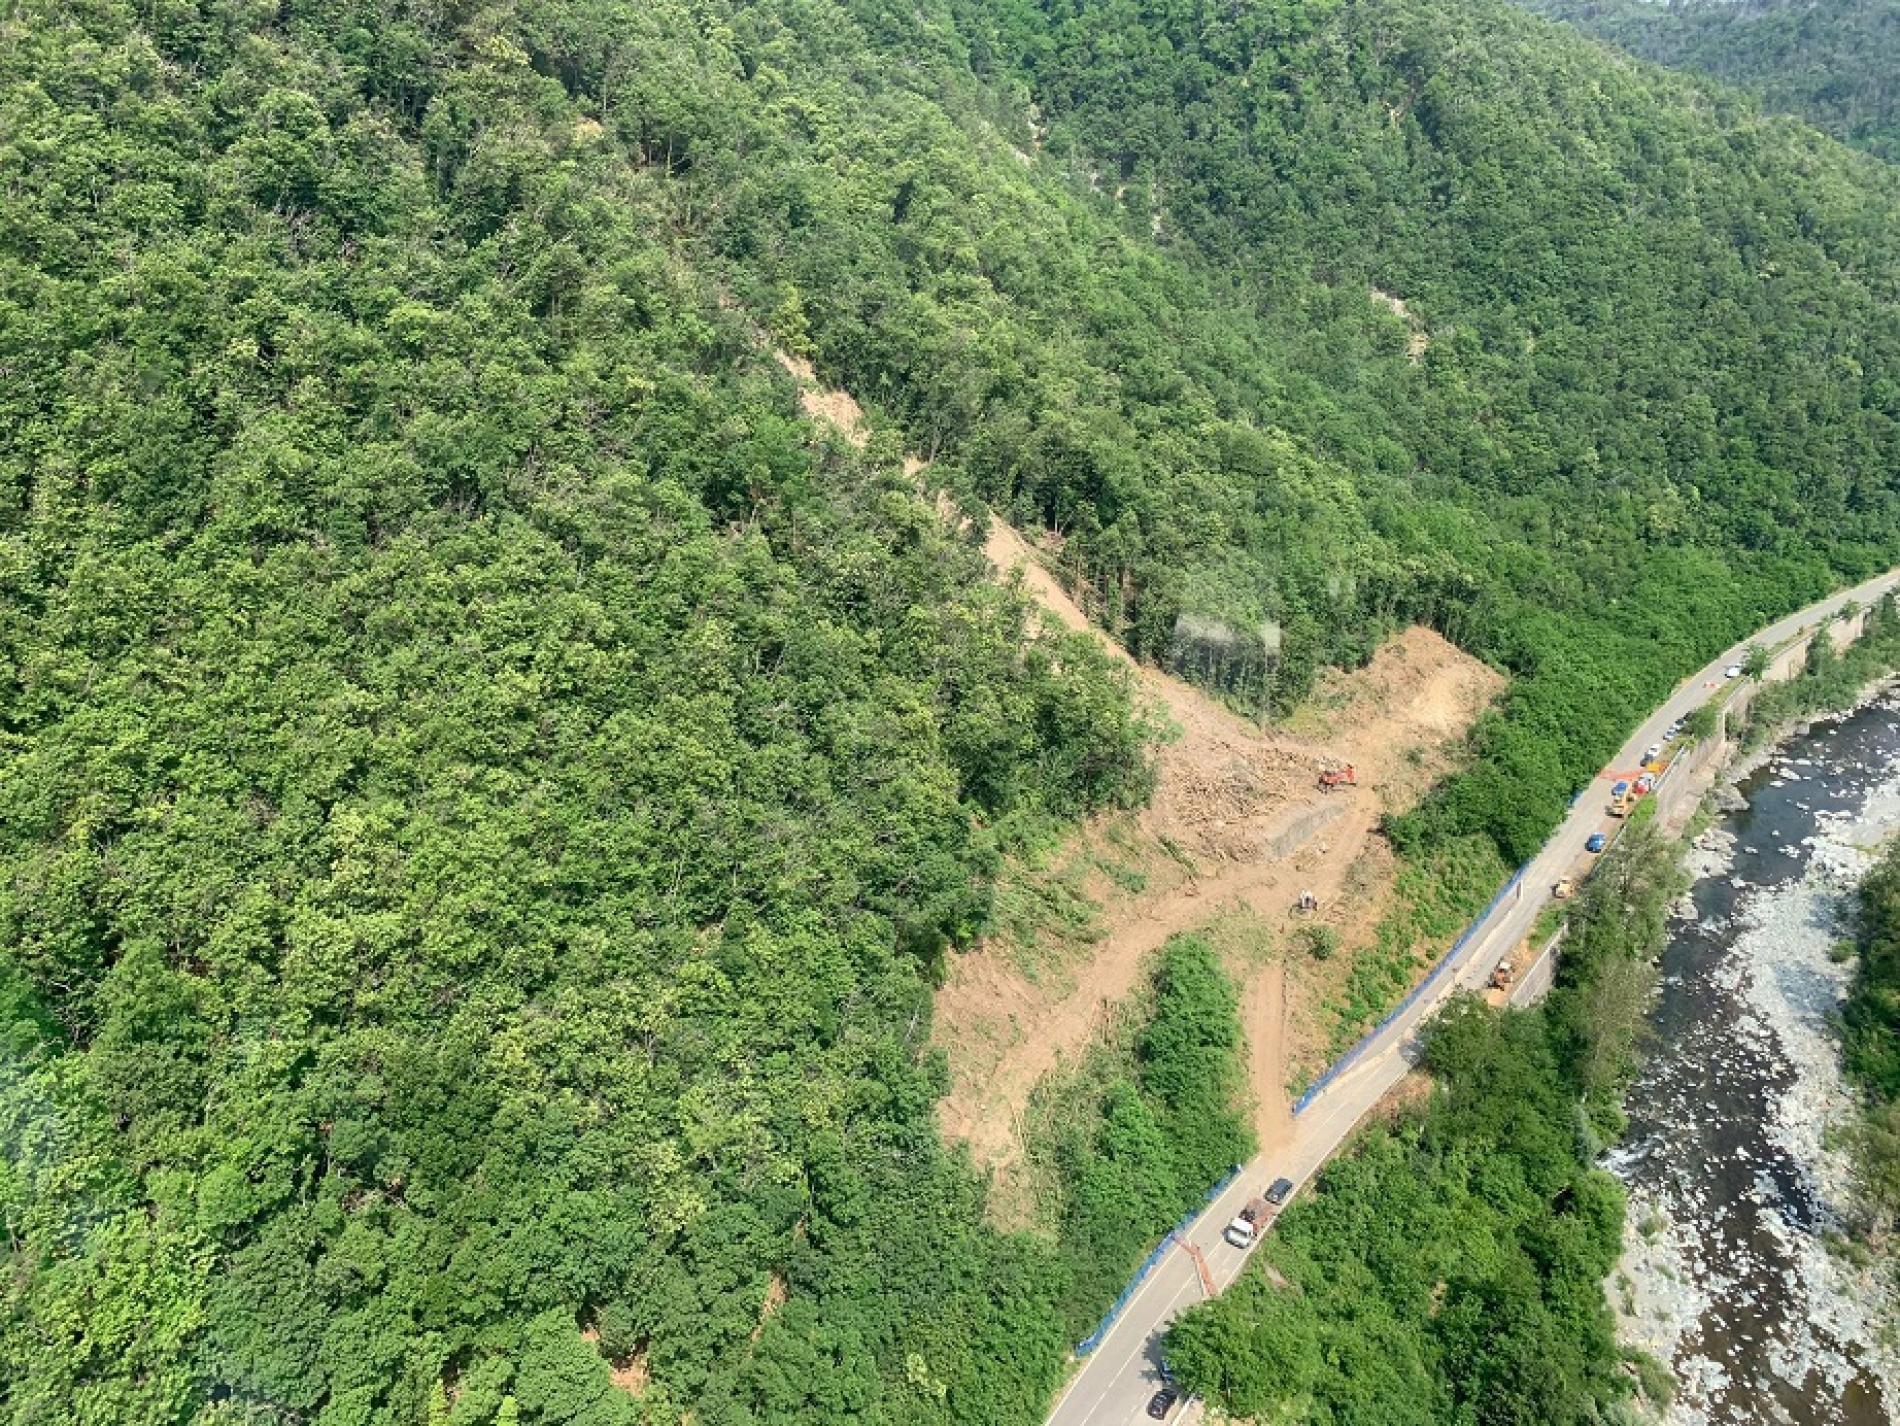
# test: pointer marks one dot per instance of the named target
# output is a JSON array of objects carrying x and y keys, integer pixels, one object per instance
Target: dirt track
[
  {"x": 1241, "y": 805},
  {"x": 1263, "y": 1016},
  {"x": 1237, "y": 826}
]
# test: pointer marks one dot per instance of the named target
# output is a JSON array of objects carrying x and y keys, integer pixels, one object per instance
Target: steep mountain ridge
[
  {"x": 485, "y": 780},
  {"x": 1831, "y": 63}
]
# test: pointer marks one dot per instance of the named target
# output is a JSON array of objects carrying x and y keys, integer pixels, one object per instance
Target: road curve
[{"x": 1114, "y": 1383}]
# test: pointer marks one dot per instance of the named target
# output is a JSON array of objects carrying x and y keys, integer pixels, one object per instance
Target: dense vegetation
[
  {"x": 1138, "y": 1135},
  {"x": 1871, "y": 1028},
  {"x": 1834, "y": 63},
  {"x": 1873, "y": 1011},
  {"x": 484, "y": 784},
  {"x": 1450, "y": 1269},
  {"x": 482, "y": 787}
]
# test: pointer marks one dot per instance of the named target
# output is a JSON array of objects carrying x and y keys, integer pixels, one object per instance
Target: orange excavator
[{"x": 1336, "y": 777}]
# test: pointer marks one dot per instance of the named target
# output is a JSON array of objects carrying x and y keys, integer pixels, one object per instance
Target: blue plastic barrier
[
  {"x": 1347, "y": 1060},
  {"x": 1351, "y": 1057},
  {"x": 1094, "y": 1339}
]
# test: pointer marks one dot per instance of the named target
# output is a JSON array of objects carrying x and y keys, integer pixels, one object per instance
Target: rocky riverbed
[{"x": 1735, "y": 1190}]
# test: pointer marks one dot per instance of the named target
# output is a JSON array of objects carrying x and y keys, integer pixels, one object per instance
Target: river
[{"x": 1727, "y": 1277}]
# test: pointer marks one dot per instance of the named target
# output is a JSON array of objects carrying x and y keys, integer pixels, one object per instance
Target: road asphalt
[{"x": 1115, "y": 1382}]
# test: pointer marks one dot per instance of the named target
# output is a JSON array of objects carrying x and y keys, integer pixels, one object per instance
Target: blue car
[{"x": 1596, "y": 843}]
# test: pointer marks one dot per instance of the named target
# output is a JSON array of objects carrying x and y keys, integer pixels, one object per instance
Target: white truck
[
  {"x": 1244, "y": 1231},
  {"x": 1251, "y": 1221}
]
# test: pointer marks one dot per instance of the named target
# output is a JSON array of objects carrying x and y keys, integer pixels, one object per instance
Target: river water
[{"x": 1727, "y": 1276}]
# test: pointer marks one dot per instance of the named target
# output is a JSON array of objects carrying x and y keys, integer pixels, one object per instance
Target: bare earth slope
[{"x": 1237, "y": 829}]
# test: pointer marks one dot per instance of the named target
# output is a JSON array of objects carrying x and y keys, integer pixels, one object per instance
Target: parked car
[
  {"x": 1279, "y": 1190},
  {"x": 1162, "y": 1402},
  {"x": 1652, "y": 752},
  {"x": 1596, "y": 843},
  {"x": 1672, "y": 732},
  {"x": 1734, "y": 670}
]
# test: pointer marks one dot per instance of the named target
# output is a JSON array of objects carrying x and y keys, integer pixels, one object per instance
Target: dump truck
[
  {"x": 1564, "y": 889},
  {"x": 1245, "y": 1228}
]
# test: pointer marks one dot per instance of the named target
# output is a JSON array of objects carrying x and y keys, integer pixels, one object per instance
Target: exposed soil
[
  {"x": 1403, "y": 713},
  {"x": 1354, "y": 917},
  {"x": 1238, "y": 823},
  {"x": 1237, "y": 829},
  {"x": 837, "y": 409},
  {"x": 1263, "y": 1018},
  {"x": 774, "y": 1299},
  {"x": 630, "y": 1374},
  {"x": 1420, "y": 341},
  {"x": 1014, "y": 556}
]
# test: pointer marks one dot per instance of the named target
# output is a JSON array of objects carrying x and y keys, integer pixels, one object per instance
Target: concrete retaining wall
[
  {"x": 1789, "y": 662},
  {"x": 1845, "y": 631},
  {"x": 1690, "y": 773},
  {"x": 1306, "y": 827},
  {"x": 1677, "y": 793},
  {"x": 1534, "y": 984}
]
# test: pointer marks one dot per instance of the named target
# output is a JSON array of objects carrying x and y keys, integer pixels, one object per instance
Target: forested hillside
[
  {"x": 1657, "y": 392},
  {"x": 1833, "y": 63},
  {"x": 484, "y": 783}
]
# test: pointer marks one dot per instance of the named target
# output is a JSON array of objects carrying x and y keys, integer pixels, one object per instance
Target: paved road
[{"x": 1114, "y": 1384}]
